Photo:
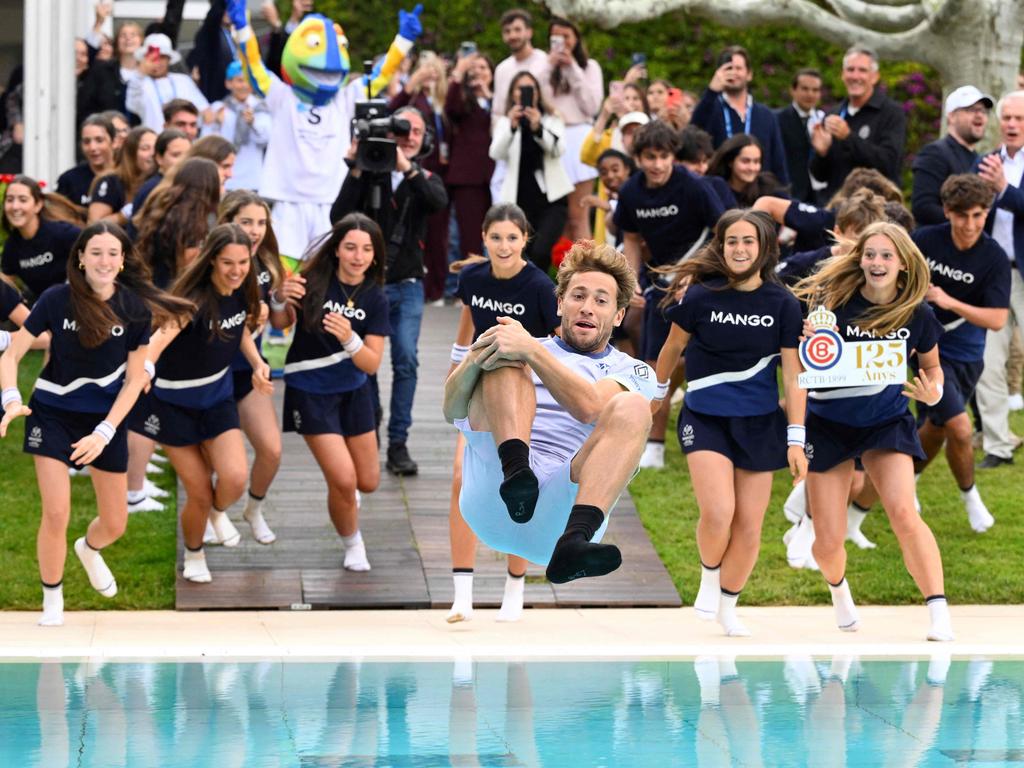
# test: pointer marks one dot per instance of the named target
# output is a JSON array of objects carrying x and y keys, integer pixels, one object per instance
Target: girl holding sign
[
  {"x": 736, "y": 322},
  {"x": 876, "y": 291}
]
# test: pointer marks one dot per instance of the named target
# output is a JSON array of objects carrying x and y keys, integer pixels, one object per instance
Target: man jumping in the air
[{"x": 554, "y": 427}]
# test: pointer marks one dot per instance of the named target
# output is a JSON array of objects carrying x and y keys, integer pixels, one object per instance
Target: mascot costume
[{"x": 311, "y": 111}]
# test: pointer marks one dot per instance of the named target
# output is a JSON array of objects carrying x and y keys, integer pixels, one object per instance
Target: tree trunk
[{"x": 976, "y": 42}]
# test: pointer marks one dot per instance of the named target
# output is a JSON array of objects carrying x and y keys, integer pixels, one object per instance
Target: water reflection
[{"x": 802, "y": 711}]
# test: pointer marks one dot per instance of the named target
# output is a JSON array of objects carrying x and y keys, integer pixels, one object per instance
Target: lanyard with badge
[{"x": 727, "y": 115}]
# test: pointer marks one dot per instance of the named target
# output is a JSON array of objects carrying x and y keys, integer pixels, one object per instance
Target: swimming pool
[{"x": 837, "y": 711}]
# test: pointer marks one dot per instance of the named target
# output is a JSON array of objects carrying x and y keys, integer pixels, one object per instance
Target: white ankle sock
[
  {"x": 53, "y": 606},
  {"x": 355, "y": 553},
  {"x": 727, "y": 616},
  {"x": 840, "y": 668},
  {"x": 941, "y": 629},
  {"x": 846, "y": 611},
  {"x": 100, "y": 577},
  {"x": 977, "y": 513},
  {"x": 512, "y": 600},
  {"x": 709, "y": 594},
  {"x": 462, "y": 605},
  {"x": 855, "y": 517},
  {"x": 134, "y": 497},
  {"x": 795, "y": 506},
  {"x": 195, "y": 567},
  {"x": 224, "y": 529},
  {"x": 253, "y": 515}
]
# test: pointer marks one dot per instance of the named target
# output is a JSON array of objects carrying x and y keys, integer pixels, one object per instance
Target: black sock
[
  {"x": 515, "y": 457},
  {"x": 520, "y": 489},
  {"x": 462, "y": 570},
  {"x": 574, "y": 556}
]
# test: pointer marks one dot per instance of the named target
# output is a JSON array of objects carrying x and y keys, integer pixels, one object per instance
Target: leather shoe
[
  {"x": 399, "y": 462},
  {"x": 991, "y": 461}
]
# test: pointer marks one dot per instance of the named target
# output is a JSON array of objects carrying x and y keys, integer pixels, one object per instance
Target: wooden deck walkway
[{"x": 405, "y": 525}]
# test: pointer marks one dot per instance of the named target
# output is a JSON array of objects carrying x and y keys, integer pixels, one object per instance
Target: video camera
[{"x": 374, "y": 127}]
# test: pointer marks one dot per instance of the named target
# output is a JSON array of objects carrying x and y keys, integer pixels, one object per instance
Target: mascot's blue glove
[
  {"x": 237, "y": 13},
  {"x": 409, "y": 25}
]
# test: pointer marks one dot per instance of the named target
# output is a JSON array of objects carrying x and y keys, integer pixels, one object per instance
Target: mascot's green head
[{"x": 315, "y": 59}]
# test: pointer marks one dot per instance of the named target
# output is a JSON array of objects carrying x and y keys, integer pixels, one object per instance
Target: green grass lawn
[
  {"x": 144, "y": 558},
  {"x": 979, "y": 568}
]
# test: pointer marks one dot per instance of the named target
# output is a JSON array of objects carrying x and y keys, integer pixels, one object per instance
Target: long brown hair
[
  {"x": 212, "y": 147},
  {"x": 55, "y": 207},
  {"x": 538, "y": 97},
  {"x": 127, "y": 163},
  {"x": 94, "y": 316},
  {"x": 559, "y": 84},
  {"x": 709, "y": 261},
  {"x": 176, "y": 217},
  {"x": 721, "y": 164},
  {"x": 840, "y": 277},
  {"x": 269, "y": 253},
  {"x": 322, "y": 267},
  {"x": 196, "y": 282}
]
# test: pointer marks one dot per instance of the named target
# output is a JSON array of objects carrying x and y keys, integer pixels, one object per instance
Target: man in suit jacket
[
  {"x": 967, "y": 117},
  {"x": 1003, "y": 169},
  {"x": 795, "y": 121},
  {"x": 727, "y": 108}
]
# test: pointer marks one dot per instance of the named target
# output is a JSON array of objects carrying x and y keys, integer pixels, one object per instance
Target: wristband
[
  {"x": 661, "y": 391},
  {"x": 5, "y": 340},
  {"x": 277, "y": 305},
  {"x": 11, "y": 395},
  {"x": 105, "y": 430},
  {"x": 459, "y": 353},
  {"x": 353, "y": 345},
  {"x": 796, "y": 434},
  {"x": 150, "y": 368},
  {"x": 937, "y": 399}
]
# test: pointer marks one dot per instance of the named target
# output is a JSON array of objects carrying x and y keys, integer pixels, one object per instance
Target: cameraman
[{"x": 406, "y": 201}]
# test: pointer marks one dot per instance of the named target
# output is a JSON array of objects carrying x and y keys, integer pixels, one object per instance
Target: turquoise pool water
[{"x": 712, "y": 712}]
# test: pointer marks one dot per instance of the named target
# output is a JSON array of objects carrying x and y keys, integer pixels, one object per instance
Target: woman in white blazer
[{"x": 529, "y": 140}]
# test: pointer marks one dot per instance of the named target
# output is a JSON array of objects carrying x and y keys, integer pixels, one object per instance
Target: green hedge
[{"x": 678, "y": 47}]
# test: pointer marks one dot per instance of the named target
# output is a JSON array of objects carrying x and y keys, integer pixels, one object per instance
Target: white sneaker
[
  {"x": 653, "y": 456},
  {"x": 100, "y": 577},
  {"x": 798, "y": 550},
  {"x": 224, "y": 529},
  {"x": 153, "y": 490},
  {"x": 146, "y": 505},
  {"x": 1016, "y": 402},
  {"x": 795, "y": 508},
  {"x": 195, "y": 568}
]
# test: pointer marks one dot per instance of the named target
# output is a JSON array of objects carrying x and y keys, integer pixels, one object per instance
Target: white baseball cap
[
  {"x": 633, "y": 118},
  {"x": 967, "y": 96},
  {"x": 160, "y": 43}
]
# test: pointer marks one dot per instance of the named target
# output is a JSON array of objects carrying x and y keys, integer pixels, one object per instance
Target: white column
[{"x": 50, "y": 88}]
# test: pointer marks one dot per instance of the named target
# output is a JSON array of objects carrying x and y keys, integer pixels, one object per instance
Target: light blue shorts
[{"x": 485, "y": 512}]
